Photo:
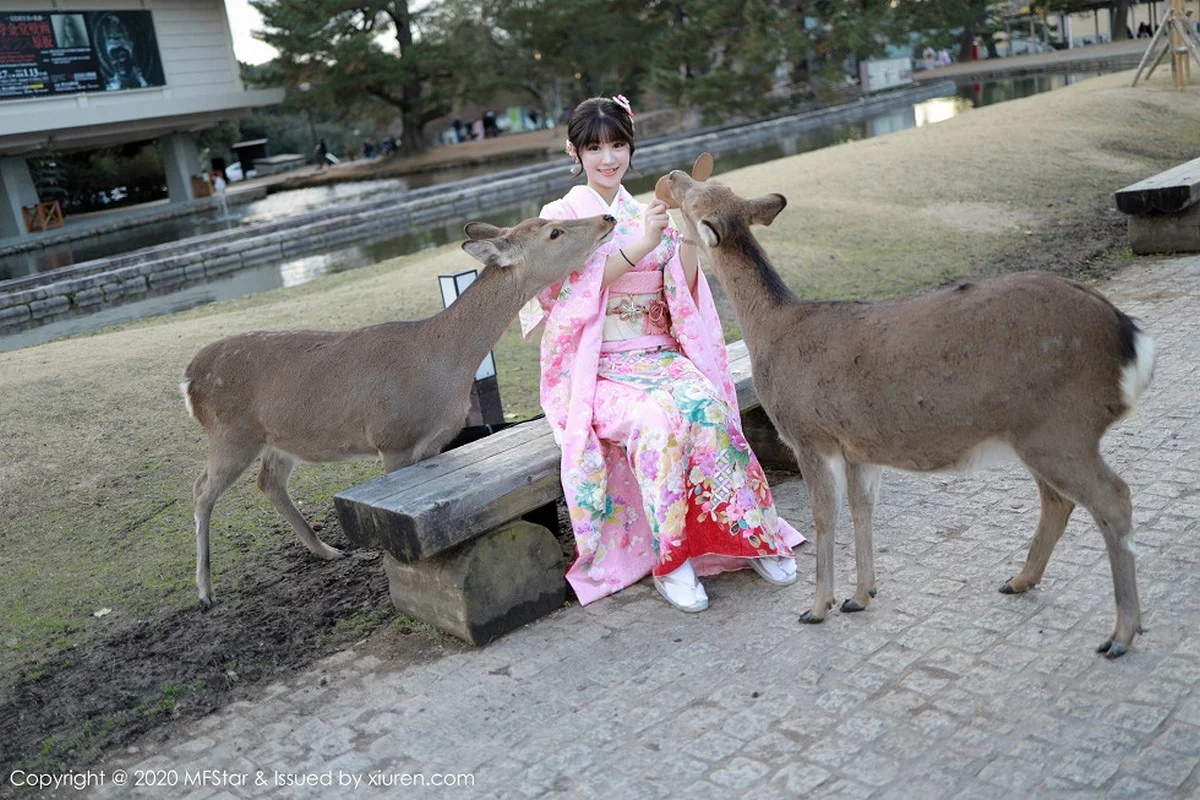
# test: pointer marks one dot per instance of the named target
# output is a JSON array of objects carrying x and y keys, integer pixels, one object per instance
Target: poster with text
[{"x": 97, "y": 51}]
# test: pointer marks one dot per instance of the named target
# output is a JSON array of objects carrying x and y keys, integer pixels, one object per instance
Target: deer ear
[
  {"x": 487, "y": 252},
  {"x": 709, "y": 230},
  {"x": 764, "y": 210},
  {"x": 481, "y": 230}
]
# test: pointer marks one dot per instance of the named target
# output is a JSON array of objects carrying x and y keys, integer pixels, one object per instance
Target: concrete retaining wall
[{"x": 89, "y": 286}]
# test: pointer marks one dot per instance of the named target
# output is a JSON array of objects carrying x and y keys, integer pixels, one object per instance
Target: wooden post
[{"x": 1177, "y": 65}]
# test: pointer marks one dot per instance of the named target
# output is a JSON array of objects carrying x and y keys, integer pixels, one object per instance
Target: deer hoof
[
  {"x": 1112, "y": 649},
  {"x": 332, "y": 554},
  {"x": 206, "y": 603},
  {"x": 1011, "y": 586},
  {"x": 871, "y": 592},
  {"x": 852, "y": 605},
  {"x": 809, "y": 618}
]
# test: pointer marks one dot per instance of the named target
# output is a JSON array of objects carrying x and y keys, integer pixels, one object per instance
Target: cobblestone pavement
[{"x": 943, "y": 688}]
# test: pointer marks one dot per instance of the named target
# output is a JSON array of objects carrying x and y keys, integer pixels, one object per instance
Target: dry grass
[{"x": 99, "y": 455}]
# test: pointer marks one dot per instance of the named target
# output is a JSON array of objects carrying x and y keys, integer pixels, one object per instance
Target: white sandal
[
  {"x": 682, "y": 589},
  {"x": 776, "y": 570}
]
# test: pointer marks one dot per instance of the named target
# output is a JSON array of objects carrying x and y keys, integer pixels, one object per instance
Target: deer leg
[
  {"x": 862, "y": 490},
  {"x": 226, "y": 461},
  {"x": 1087, "y": 480},
  {"x": 272, "y": 481},
  {"x": 824, "y": 479},
  {"x": 1056, "y": 510}
]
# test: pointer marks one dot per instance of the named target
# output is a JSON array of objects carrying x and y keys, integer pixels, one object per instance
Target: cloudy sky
[{"x": 243, "y": 19}]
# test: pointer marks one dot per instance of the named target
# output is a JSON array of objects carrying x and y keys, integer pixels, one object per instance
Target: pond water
[{"x": 347, "y": 257}]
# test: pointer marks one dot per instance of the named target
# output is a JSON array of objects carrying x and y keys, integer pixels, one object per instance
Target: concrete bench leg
[
  {"x": 1166, "y": 233},
  {"x": 486, "y": 587}
]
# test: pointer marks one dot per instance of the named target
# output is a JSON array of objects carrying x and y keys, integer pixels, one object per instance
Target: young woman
[{"x": 657, "y": 474}]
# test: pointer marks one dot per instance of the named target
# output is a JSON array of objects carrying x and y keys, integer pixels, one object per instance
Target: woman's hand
[{"x": 653, "y": 222}]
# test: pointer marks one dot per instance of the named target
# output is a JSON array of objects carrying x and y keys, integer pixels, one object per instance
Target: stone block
[
  {"x": 88, "y": 297},
  {"x": 486, "y": 587},
  {"x": 77, "y": 285},
  {"x": 217, "y": 265},
  {"x": 1178, "y": 232},
  {"x": 132, "y": 286},
  {"x": 23, "y": 297},
  {"x": 167, "y": 277},
  {"x": 14, "y": 315},
  {"x": 430, "y": 213},
  {"x": 259, "y": 254},
  {"x": 302, "y": 245},
  {"x": 49, "y": 307},
  {"x": 111, "y": 291},
  {"x": 194, "y": 272}
]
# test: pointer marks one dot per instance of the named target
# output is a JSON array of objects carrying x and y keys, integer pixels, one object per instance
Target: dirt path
[{"x": 98, "y": 617}]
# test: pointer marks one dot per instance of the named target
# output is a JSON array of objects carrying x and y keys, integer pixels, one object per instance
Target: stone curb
[{"x": 174, "y": 264}]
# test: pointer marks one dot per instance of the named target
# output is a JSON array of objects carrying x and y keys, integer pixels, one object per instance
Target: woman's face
[{"x": 605, "y": 165}]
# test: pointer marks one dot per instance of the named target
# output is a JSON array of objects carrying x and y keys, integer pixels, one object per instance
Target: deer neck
[
  {"x": 474, "y": 322},
  {"x": 752, "y": 283}
]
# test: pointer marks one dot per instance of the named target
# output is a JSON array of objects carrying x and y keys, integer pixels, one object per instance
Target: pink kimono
[{"x": 655, "y": 468}]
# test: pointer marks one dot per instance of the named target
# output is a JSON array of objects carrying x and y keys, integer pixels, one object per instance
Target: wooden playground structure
[{"x": 1175, "y": 35}]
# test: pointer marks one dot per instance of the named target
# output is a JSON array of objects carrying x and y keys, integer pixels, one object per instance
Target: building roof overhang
[{"x": 34, "y": 126}]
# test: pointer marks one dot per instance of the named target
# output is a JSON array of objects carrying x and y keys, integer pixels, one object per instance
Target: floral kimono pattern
[{"x": 655, "y": 468}]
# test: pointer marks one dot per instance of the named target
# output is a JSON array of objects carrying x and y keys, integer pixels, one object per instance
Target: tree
[
  {"x": 562, "y": 53},
  {"x": 338, "y": 48}
]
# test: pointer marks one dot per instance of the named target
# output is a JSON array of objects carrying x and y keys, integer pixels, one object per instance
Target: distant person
[
  {"x": 533, "y": 117},
  {"x": 929, "y": 57},
  {"x": 943, "y": 57},
  {"x": 321, "y": 150},
  {"x": 489, "y": 125},
  {"x": 1144, "y": 31},
  {"x": 477, "y": 130},
  {"x": 1191, "y": 23},
  {"x": 460, "y": 133}
]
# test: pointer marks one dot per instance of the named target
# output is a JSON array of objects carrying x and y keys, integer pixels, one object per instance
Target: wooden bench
[
  {"x": 1164, "y": 211},
  {"x": 468, "y": 535}
]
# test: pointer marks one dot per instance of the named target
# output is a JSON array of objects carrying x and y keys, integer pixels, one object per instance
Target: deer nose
[{"x": 609, "y": 218}]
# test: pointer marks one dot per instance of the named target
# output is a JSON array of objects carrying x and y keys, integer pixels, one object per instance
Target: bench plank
[
  {"x": 429, "y": 507},
  {"x": 464, "y": 457},
  {"x": 1167, "y": 192},
  {"x": 414, "y": 523}
]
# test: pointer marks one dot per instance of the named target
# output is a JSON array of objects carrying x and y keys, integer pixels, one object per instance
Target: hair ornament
[{"x": 623, "y": 102}]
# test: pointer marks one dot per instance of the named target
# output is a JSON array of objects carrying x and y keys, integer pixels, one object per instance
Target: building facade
[{"x": 82, "y": 74}]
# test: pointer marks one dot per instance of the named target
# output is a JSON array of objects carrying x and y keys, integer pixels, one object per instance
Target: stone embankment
[{"x": 92, "y": 285}]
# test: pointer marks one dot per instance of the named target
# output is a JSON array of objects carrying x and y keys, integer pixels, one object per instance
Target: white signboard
[
  {"x": 885, "y": 73},
  {"x": 452, "y": 287}
]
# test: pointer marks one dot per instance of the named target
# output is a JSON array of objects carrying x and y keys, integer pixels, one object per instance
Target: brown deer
[
  {"x": 399, "y": 390},
  {"x": 1026, "y": 365}
]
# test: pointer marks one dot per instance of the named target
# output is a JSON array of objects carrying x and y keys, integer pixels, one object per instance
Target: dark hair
[{"x": 598, "y": 120}]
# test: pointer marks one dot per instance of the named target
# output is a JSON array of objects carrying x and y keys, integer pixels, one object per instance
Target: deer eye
[{"x": 554, "y": 234}]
